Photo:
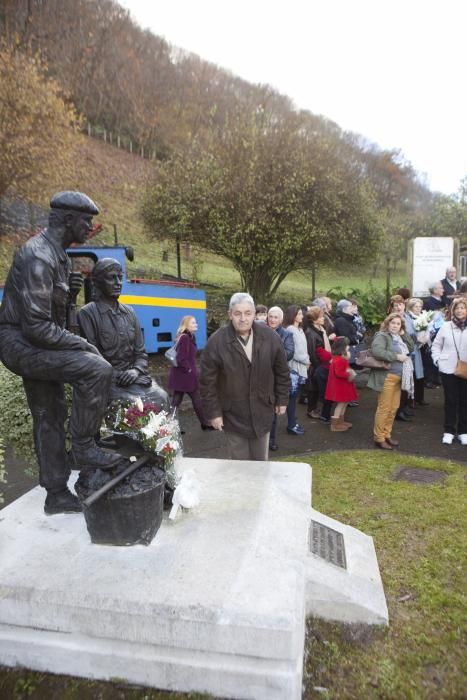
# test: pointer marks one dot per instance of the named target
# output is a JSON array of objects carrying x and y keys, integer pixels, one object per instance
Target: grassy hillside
[{"x": 115, "y": 179}]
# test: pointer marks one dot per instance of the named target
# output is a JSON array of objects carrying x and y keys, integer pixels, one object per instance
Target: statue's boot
[
  {"x": 61, "y": 502},
  {"x": 85, "y": 454}
]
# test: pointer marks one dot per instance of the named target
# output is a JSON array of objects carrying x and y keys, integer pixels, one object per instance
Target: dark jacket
[
  {"x": 433, "y": 304},
  {"x": 287, "y": 342},
  {"x": 36, "y": 295},
  {"x": 116, "y": 333},
  {"x": 314, "y": 340},
  {"x": 244, "y": 393},
  {"x": 184, "y": 377},
  {"x": 448, "y": 291},
  {"x": 345, "y": 326}
]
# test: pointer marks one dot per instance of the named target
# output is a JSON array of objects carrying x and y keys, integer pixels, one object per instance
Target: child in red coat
[{"x": 340, "y": 387}]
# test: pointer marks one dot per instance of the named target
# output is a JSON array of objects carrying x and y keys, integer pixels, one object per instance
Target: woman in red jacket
[
  {"x": 183, "y": 379},
  {"x": 340, "y": 387}
]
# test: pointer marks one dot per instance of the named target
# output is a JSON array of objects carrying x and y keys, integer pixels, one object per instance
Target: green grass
[{"x": 419, "y": 535}]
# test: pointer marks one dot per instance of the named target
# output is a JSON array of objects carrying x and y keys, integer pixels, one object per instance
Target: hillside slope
[{"x": 114, "y": 178}]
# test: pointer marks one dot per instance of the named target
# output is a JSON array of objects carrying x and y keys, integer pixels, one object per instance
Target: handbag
[
  {"x": 461, "y": 367},
  {"x": 355, "y": 350},
  {"x": 171, "y": 355},
  {"x": 366, "y": 359}
]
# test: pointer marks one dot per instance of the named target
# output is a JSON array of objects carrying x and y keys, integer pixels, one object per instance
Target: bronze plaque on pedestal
[{"x": 327, "y": 544}]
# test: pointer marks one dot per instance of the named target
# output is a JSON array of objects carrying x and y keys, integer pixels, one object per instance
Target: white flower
[
  {"x": 422, "y": 320},
  {"x": 153, "y": 424},
  {"x": 139, "y": 404}
]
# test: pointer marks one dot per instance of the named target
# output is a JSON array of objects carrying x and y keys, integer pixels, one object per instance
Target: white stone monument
[
  {"x": 428, "y": 261},
  {"x": 216, "y": 603}
]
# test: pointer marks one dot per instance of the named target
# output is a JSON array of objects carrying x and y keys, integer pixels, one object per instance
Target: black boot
[
  {"x": 87, "y": 455},
  {"x": 62, "y": 502}
]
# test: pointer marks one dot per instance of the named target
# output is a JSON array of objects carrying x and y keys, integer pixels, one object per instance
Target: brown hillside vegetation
[{"x": 114, "y": 178}]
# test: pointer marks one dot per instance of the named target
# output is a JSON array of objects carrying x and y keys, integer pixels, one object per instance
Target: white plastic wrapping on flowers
[{"x": 186, "y": 494}]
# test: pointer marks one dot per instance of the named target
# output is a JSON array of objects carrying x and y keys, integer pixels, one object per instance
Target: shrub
[
  {"x": 371, "y": 302},
  {"x": 15, "y": 416}
]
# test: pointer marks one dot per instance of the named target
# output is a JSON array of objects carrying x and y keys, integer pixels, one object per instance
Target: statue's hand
[
  {"x": 127, "y": 377},
  {"x": 75, "y": 282}
]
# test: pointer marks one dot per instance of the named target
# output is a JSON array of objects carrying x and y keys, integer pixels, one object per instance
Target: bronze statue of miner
[{"x": 35, "y": 344}]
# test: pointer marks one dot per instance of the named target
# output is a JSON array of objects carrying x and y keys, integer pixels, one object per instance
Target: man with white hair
[
  {"x": 450, "y": 285},
  {"x": 244, "y": 380},
  {"x": 435, "y": 301}
]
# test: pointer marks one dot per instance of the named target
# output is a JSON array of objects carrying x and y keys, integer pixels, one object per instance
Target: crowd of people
[{"x": 420, "y": 344}]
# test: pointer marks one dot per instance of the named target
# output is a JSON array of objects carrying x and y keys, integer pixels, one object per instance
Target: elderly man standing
[
  {"x": 244, "y": 380},
  {"x": 450, "y": 285}
]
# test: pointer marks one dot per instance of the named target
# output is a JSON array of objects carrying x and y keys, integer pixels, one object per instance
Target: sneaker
[
  {"x": 62, "y": 502},
  {"x": 463, "y": 439},
  {"x": 448, "y": 438},
  {"x": 314, "y": 414},
  {"x": 296, "y": 430}
]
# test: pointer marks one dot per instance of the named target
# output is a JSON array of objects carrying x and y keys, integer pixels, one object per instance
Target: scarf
[
  {"x": 327, "y": 344},
  {"x": 407, "y": 381},
  {"x": 460, "y": 324}
]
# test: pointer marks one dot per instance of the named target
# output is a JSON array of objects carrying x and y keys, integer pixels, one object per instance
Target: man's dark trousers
[{"x": 44, "y": 374}]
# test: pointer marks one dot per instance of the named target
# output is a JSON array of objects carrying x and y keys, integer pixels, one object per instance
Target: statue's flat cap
[{"x": 76, "y": 201}]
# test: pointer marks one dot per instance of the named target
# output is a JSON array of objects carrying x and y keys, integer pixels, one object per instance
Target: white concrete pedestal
[{"x": 215, "y": 604}]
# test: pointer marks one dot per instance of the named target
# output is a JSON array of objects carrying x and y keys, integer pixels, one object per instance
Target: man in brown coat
[{"x": 244, "y": 380}]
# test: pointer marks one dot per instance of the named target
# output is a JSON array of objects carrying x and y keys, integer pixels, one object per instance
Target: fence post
[
  {"x": 118, "y": 140},
  {"x": 89, "y": 129},
  {"x": 131, "y": 146},
  {"x": 105, "y": 136}
]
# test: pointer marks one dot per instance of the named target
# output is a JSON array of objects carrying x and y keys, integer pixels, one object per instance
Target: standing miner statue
[{"x": 35, "y": 344}]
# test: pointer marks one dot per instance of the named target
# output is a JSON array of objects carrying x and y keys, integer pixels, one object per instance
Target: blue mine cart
[{"x": 159, "y": 304}]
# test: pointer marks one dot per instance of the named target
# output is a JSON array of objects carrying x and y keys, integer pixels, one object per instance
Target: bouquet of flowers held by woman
[
  {"x": 421, "y": 323},
  {"x": 155, "y": 430}
]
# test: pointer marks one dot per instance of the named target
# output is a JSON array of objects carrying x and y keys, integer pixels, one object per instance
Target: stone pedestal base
[{"x": 216, "y": 603}]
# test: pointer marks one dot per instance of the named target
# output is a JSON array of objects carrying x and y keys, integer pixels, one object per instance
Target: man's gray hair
[
  {"x": 433, "y": 286},
  {"x": 240, "y": 298},
  {"x": 276, "y": 310}
]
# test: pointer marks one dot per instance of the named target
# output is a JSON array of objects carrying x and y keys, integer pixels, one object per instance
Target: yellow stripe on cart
[{"x": 162, "y": 301}]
